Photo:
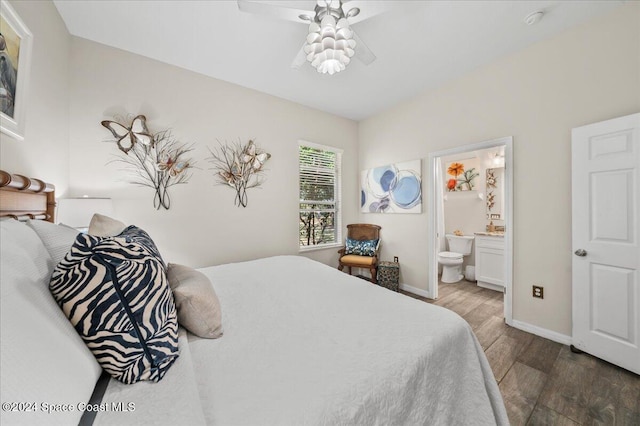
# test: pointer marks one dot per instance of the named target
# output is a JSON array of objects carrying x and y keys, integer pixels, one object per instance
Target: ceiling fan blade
[
  {"x": 368, "y": 9},
  {"x": 300, "y": 59},
  {"x": 285, "y": 13},
  {"x": 363, "y": 53}
]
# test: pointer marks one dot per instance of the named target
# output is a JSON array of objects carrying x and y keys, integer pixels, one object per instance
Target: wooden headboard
[{"x": 25, "y": 198}]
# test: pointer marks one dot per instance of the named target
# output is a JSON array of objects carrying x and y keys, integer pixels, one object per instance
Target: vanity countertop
[{"x": 490, "y": 234}]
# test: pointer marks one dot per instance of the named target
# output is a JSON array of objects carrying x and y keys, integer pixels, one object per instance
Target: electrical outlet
[
  {"x": 538, "y": 291},
  {"x": 395, "y": 259}
]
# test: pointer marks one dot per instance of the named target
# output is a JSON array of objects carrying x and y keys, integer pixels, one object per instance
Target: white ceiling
[{"x": 419, "y": 44}]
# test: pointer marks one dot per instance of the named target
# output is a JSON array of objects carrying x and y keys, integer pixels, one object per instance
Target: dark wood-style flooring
[{"x": 542, "y": 382}]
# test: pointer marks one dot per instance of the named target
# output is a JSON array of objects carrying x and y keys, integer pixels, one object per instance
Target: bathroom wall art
[
  {"x": 495, "y": 193},
  {"x": 461, "y": 175},
  {"x": 395, "y": 188}
]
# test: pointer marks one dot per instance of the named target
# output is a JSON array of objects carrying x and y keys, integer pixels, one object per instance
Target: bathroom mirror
[{"x": 495, "y": 193}]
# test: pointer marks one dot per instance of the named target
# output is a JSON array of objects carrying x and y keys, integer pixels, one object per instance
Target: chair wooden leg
[
  {"x": 340, "y": 267},
  {"x": 374, "y": 275},
  {"x": 349, "y": 270}
]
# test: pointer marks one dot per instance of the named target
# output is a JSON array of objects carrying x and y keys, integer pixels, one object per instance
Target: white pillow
[
  {"x": 58, "y": 239},
  {"x": 42, "y": 358}
]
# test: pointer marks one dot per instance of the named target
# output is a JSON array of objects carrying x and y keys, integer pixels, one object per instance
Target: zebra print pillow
[{"x": 115, "y": 292}]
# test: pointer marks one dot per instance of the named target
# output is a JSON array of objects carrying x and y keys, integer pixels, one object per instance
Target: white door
[{"x": 606, "y": 234}]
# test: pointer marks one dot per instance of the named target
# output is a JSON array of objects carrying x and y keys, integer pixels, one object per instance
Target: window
[{"x": 320, "y": 190}]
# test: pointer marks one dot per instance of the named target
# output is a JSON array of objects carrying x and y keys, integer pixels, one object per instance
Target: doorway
[{"x": 434, "y": 214}]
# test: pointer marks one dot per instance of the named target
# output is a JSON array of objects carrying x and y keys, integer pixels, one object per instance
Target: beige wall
[
  {"x": 44, "y": 151},
  {"x": 203, "y": 226},
  {"x": 587, "y": 74}
]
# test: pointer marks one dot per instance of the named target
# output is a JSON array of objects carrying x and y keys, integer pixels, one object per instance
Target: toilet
[{"x": 451, "y": 261}]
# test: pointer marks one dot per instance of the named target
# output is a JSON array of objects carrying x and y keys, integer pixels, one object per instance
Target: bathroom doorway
[{"x": 502, "y": 213}]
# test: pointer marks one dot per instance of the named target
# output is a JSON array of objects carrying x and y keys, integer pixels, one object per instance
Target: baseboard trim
[
  {"x": 542, "y": 332},
  {"x": 414, "y": 290}
]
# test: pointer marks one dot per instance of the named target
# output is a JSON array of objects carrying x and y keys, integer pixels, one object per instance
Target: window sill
[{"x": 305, "y": 249}]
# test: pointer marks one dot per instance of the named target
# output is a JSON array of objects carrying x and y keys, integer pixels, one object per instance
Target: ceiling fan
[{"x": 331, "y": 41}]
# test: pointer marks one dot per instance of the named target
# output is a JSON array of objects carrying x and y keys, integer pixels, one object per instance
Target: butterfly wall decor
[
  {"x": 253, "y": 158},
  {"x": 156, "y": 160},
  {"x": 127, "y": 137},
  {"x": 239, "y": 166}
]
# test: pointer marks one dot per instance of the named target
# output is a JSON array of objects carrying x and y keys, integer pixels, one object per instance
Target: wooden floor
[{"x": 542, "y": 382}]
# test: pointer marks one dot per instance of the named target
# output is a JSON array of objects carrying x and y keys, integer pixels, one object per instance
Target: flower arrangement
[
  {"x": 156, "y": 160},
  {"x": 238, "y": 166}
]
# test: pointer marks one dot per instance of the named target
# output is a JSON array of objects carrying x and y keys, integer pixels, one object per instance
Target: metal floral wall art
[
  {"x": 156, "y": 160},
  {"x": 239, "y": 166}
]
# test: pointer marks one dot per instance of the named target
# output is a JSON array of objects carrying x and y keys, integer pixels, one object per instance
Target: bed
[{"x": 303, "y": 343}]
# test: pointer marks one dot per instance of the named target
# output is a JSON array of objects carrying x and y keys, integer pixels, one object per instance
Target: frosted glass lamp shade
[
  {"x": 330, "y": 45},
  {"x": 77, "y": 212}
]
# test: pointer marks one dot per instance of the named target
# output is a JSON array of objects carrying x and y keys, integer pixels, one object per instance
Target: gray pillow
[
  {"x": 104, "y": 226},
  {"x": 197, "y": 303},
  {"x": 58, "y": 239}
]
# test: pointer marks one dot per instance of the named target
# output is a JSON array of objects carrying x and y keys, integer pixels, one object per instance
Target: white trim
[
  {"x": 414, "y": 290},
  {"x": 542, "y": 332},
  {"x": 304, "y": 249},
  {"x": 302, "y": 142},
  {"x": 491, "y": 286},
  {"x": 432, "y": 241},
  {"x": 338, "y": 196}
]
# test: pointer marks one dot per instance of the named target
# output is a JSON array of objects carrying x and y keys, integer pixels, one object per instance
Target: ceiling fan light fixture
[
  {"x": 354, "y": 11},
  {"x": 330, "y": 62},
  {"x": 330, "y": 45}
]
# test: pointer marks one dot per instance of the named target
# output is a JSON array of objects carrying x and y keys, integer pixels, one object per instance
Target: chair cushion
[
  {"x": 361, "y": 247},
  {"x": 354, "y": 259}
]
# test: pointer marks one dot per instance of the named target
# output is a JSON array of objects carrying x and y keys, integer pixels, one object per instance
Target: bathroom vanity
[{"x": 490, "y": 260}]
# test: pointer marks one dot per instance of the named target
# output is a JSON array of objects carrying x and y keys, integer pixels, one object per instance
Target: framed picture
[
  {"x": 395, "y": 188},
  {"x": 461, "y": 175},
  {"x": 15, "y": 61}
]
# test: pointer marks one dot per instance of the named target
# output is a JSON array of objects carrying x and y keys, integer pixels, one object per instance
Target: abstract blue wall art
[{"x": 396, "y": 188}]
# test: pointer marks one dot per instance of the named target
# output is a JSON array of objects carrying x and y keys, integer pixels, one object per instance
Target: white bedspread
[
  {"x": 172, "y": 401},
  {"x": 306, "y": 344}
]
